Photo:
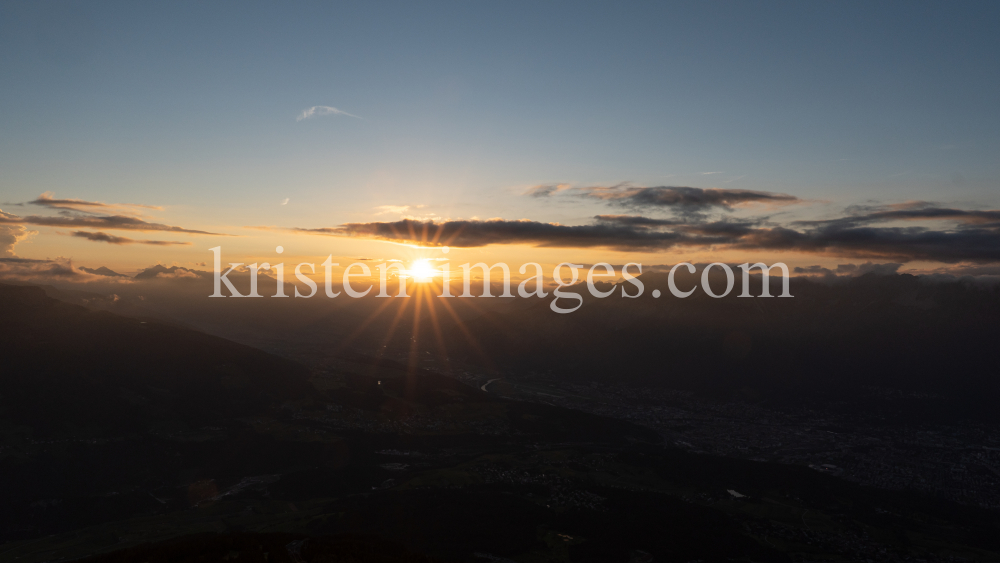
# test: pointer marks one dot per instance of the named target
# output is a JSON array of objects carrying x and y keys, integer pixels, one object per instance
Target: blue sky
[{"x": 462, "y": 106}]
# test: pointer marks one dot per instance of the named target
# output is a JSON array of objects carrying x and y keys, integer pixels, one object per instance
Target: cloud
[
  {"x": 113, "y": 222},
  {"x": 394, "y": 209},
  {"x": 19, "y": 260},
  {"x": 111, "y": 239},
  {"x": 10, "y": 235},
  {"x": 173, "y": 272},
  {"x": 636, "y": 220},
  {"x": 902, "y": 244},
  {"x": 909, "y": 211},
  {"x": 181, "y": 274},
  {"x": 46, "y": 200},
  {"x": 103, "y": 271},
  {"x": 966, "y": 270},
  {"x": 317, "y": 111},
  {"x": 851, "y": 269},
  {"x": 863, "y": 232},
  {"x": 682, "y": 198},
  {"x": 868, "y": 268},
  {"x": 546, "y": 190},
  {"x": 474, "y": 233},
  {"x": 24, "y": 269},
  {"x": 813, "y": 270},
  {"x": 635, "y": 232}
]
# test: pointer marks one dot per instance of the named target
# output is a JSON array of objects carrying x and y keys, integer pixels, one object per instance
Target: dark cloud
[
  {"x": 46, "y": 200},
  {"x": 681, "y": 198},
  {"x": 113, "y": 222},
  {"x": 111, "y": 239},
  {"x": 623, "y": 232},
  {"x": 911, "y": 211},
  {"x": 967, "y": 270},
  {"x": 815, "y": 270},
  {"x": 726, "y": 228},
  {"x": 868, "y": 268},
  {"x": 482, "y": 233},
  {"x": 23, "y": 269},
  {"x": 16, "y": 260},
  {"x": 851, "y": 270},
  {"x": 628, "y": 232},
  {"x": 545, "y": 190},
  {"x": 894, "y": 243},
  {"x": 636, "y": 221},
  {"x": 730, "y": 229}
]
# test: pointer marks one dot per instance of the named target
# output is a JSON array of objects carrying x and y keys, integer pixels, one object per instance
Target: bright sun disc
[{"x": 422, "y": 270}]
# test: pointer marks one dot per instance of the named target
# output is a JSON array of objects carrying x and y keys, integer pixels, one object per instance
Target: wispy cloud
[
  {"x": 113, "y": 222},
  {"x": 81, "y": 205},
  {"x": 111, "y": 239},
  {"x": 679, "y": 198},
  {"x": 545, "y": 190},
  {"x": 318, "y": 111},
  {"x": 909, "y": 211},
  {"x": 682, "y": 197},
  {"x": 394, "y": 209}
]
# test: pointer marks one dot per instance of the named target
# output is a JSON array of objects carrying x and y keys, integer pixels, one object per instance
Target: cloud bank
[
  {"x": 26, "y": 269},
  {"x": 976, "y": 238}
]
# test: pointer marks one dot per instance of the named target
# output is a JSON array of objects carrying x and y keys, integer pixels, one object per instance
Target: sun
[{"x": 422, "y": 270}]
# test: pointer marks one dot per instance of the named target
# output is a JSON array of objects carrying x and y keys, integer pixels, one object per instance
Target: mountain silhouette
[
  {"x": 66, "y": 366},
  {"x": 135, "y": 440}
]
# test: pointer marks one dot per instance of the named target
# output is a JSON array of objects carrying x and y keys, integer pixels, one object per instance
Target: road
[{"x": 490, "y": 381}]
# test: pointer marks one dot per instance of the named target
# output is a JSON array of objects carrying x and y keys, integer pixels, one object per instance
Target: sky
[{"x": 814, "y": 133}]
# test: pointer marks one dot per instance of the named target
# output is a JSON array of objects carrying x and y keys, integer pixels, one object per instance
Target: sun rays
[{"x": 419, "y": 315}]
